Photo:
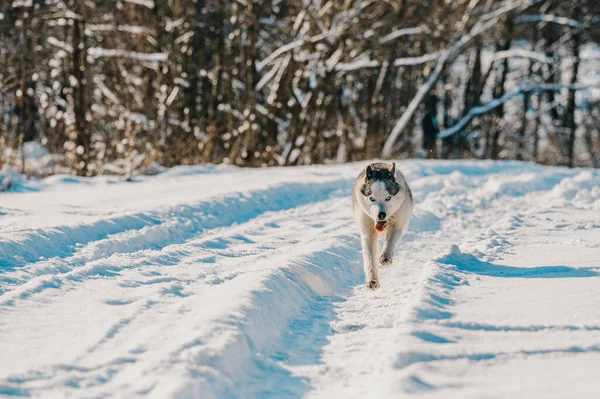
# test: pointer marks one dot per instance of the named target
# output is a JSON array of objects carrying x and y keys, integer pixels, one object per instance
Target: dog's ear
[
  {"x": 369, "y": 173},
  {"x": 393, "y": 168}
]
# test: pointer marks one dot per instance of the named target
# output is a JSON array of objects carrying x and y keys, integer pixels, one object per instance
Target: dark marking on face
[
  {"x": 392, "y": 187},
  {"x": 383, "y": 173}
]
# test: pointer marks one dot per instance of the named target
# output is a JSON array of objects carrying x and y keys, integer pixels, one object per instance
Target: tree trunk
[
  {"x": 499, "y": 91},
  {"x": 212, "y": 123},
  {"x": 524, "y": 122},
  {"x": 195, "y": 60},
  {"x": 570, "y": 122},
  {"x": 536, "y": 128},
  {"x": 80, "y": 106},
  {"x": 449, "y": 144},
  {"x": 589, "y": 142}
]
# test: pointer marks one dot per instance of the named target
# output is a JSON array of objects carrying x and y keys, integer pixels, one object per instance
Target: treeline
[{"x": 113, "y": 86}]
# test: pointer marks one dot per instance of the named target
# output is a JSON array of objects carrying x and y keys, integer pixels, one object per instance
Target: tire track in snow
[
  {"x": 179, "y": 225},
  {"x": 229, "y": 303},
  {"x": 276, "y": 274},
  {"x": 345, "y": 341},
  {"x": 350, "y": 327},
  {"x": 154, "y": 228},
  {"x": 356, "y": 321}
]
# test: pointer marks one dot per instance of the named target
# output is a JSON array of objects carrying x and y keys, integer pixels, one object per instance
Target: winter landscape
[
  {"x": 176, "y": 190},
  {"x": 219, "y": 282}
]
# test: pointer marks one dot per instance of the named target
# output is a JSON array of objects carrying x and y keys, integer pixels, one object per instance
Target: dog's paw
[
  {"x": 385, "y": 260},
  {"x": 373, "y": 284}
]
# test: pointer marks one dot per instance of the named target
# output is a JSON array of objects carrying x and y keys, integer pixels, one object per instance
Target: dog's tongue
[{"x": 380, "y": 226}]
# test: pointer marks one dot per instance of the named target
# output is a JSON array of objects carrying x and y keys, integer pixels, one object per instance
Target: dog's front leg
[
  {"x": 391, "y": 242},
  {"x": 369, "y": 248}
]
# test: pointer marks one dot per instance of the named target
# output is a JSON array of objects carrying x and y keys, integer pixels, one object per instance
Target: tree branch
[
  {"x": 486, "y": 22},
  {"x": 483, "y": 109}
]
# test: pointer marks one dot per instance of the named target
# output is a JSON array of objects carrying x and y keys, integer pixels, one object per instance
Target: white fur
[{"x": 398, "y": 213}]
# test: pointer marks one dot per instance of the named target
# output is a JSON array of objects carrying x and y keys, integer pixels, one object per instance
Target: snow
[
  {"x": 218, "y": 282},
  {"x": 106, "y": 92},
  {"x": 355, "y": 65},
  {"x": 522, "y": 53},
  {"x": 38, "y": 162},
  {"x": 409, "y": 61},
  {"x": 146, "y": 3},
  {"x": 60, "y": 44},
  {"x": 98, "y": 52},
  {"x": 548, "y": 18},
  {"x": 485, "y": 23},
  {"x": 295, "y": 44},
  {"x": 133, "y": 29},
  {"x": 482, "y": 109},
  {"x": 402, "y": 32}
]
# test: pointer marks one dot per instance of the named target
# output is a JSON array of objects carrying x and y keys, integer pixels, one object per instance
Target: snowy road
[{"x": 216, "y": 282}]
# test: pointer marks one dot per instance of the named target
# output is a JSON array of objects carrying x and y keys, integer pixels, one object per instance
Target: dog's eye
[
  {"x": 388, "y": 198},
  {"x": 372, "y": 199}
]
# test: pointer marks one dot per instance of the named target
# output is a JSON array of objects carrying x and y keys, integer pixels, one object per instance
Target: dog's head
[{"x": 382, "y": 195}]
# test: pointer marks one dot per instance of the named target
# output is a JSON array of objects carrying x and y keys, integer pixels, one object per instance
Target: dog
[{"x": 383, "y": 205}]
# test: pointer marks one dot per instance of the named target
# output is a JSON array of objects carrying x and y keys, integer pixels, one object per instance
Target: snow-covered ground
[{"x": 218, "y": 282}]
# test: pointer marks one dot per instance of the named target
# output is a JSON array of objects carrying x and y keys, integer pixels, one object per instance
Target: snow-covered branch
[
  {"x": 98, "y": 52},
  {"x": 402, "y": 32},
  {"x": 522, "y": 53},
  {"x": 60, "y": 44},
  {"x": 486, "y": 22},
  {"x": 133, "y": 29},
  {"x": 423, "y": 59},
  {"x": 355, "y": 65},
  {"x": 495, "y": 103},
  {"x": 145, "y": 3},
  {"x": 548, "y": 18},
  {"x": 106, "y": 92},
  {"x": 257, "y": 83},
  {"x": 365, "y": 63},
  {"x": 281, "y": 50},
  {"x": 295, "y": 44}
]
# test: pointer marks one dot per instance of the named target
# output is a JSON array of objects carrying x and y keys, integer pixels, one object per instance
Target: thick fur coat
[{"x": 382, "y": 205}]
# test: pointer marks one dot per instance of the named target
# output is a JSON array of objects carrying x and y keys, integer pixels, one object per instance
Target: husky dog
[{"x": 382, "y": 204}]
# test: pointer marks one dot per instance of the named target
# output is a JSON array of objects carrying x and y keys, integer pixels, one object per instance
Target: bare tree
[{"x": 114, "y": 86}]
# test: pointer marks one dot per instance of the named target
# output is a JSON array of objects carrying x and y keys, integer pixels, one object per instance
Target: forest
[{"x": 125, "y": 86}]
